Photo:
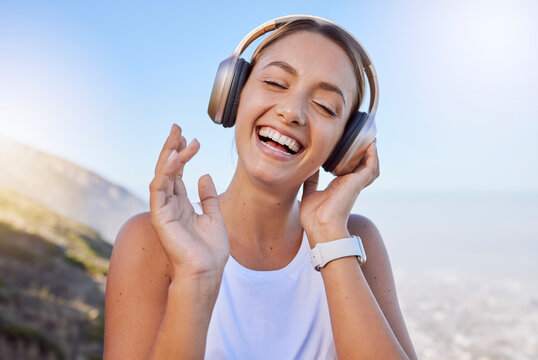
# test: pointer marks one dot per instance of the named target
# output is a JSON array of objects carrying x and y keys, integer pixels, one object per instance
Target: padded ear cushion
[
  {"x": 352, "y": 130},
  {"x": 241, "y": 72}
]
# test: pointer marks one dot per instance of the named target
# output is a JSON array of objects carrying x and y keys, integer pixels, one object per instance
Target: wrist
[
  {"x": 200, "y": 287},
  {"x": 206, "y": 272},
  {"x": 201, "y": 280},
  {"x": 321, "y": 235}
]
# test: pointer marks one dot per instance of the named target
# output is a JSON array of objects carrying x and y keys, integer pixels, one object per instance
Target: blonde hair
[{"x": 339, "y": 36}]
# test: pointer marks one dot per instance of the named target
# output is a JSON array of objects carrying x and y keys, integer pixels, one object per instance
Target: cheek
[
  {"x": 249, "y": 101},
  {"x": 244, "y": 112},
  {"x": 328, "y": 137},
  {"x": 249, "y": 110}
]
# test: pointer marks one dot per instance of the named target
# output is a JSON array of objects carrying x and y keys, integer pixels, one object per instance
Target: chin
[{"x": 281, "y": 179}]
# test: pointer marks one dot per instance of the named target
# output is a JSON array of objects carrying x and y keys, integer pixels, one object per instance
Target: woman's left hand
[{"x": 324, "y": 214}]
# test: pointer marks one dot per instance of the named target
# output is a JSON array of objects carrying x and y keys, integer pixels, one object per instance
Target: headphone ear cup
[
  {"x": 241, "y": 73},
  {"x": 351, "y": 132}
]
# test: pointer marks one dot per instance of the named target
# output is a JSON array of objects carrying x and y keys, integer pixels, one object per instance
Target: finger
[
  {"x": 159, "y": 185},
  {"x": 311, "y": 184},
  {"x": 179, "y": 187},
  {"x": 373, "y": 157},
  {"x": 378, "y": 172},
  {"x": 173, "y": 142},
  {"x": 186, "y": 155},
  {"x": 373, "y": 162},
  {"x": 345, "y": 189},
  {"x": 176, "y": 186},
  {"x": 208, "y": 196},
  {"x": 367, "y": 172},
  {"x": 182, "y": 143}
]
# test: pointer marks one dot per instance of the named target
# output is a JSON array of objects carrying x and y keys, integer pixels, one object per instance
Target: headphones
[{"x": 233, "y": 73}]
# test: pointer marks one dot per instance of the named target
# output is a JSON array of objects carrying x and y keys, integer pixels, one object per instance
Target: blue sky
[{"x": 100, "y": 83}]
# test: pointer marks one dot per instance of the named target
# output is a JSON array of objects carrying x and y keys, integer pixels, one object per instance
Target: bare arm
[
  {"x": 136, "y": 291},
  {"x": 378, "y": 274},
  {"x": 365, "y": 315},
  {"x": 147, "y": 314},
  {"x": 166, "y": 267},
  {"x": 183, "y": 331}
]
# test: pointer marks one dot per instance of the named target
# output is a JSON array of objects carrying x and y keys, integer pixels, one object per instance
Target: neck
[{"x": 260, "y": 217}]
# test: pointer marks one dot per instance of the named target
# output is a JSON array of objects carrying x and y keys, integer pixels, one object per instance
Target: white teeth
[{"x": 279, "y": 138}]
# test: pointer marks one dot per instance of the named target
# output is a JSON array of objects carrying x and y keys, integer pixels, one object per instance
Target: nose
[{"x": 290, "y": 109}]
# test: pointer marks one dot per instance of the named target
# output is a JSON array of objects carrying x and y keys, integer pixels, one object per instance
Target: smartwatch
[{"x": 323, "y": 253}]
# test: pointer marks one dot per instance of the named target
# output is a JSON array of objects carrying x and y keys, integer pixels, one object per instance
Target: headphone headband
[{"x": 271, "y": 25}]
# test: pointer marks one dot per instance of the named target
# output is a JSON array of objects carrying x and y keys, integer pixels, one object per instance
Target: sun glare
[{"x": 495, "y": 30}]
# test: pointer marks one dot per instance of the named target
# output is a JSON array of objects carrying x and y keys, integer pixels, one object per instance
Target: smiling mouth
[{"x": 278, "y": 141}]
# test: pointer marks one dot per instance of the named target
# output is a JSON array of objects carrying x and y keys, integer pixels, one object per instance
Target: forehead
[{"x": 314, "y": 55}]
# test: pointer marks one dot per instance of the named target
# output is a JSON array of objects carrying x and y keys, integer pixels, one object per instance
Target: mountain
[
  {"x": 67, "y": 188},
  {"x": 52, "y": 284}
]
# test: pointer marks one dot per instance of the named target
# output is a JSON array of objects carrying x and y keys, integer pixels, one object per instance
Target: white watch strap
[{"x": 323, "y": 253}]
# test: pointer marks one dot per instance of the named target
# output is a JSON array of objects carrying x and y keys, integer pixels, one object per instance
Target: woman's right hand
[{"x": 196, "y": 245}]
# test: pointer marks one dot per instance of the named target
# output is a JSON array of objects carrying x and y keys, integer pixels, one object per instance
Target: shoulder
[
  {"x": 362, "y": 226},
  {"x": 377, "y": 269},
  {"x": 138, "y": 256},
  {"x": 138, "y": 223},
  {"x": 137, "y": 243},
  {"x": 371, "y": 238}
]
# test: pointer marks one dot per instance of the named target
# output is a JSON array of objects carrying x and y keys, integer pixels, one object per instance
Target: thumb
[
  {"x": 208, "y": 196},
  {"x": 311, "y": 184}
]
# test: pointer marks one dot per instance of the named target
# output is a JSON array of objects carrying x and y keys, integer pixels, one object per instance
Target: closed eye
[
  {"x": 274, "y": 83},
  {"x": 326, "y": 109}
]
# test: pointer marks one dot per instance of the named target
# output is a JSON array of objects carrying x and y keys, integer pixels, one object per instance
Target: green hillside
[{"x": 52, "y": 283}]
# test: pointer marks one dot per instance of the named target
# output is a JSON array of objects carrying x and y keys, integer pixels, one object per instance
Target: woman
[{"x": 228, "y": 279}]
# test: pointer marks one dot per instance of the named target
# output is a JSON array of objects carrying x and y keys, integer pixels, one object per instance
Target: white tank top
[{"x": 277, "y": 314}]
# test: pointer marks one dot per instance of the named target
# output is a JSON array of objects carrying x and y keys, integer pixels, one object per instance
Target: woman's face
[{"x": 293, "y": 108}]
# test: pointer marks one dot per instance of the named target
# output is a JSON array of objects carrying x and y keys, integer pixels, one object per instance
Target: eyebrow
[
  {"x": 284, "y": 66},
  {"x": 331, "y": 87},
  {"x": 291, "y": 70}
]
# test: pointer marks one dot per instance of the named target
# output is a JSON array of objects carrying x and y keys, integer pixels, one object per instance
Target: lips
[{"x": 272, "y": 137}]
